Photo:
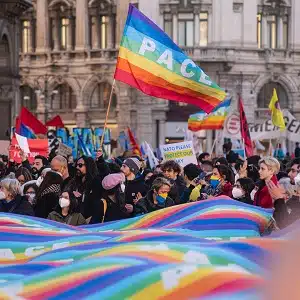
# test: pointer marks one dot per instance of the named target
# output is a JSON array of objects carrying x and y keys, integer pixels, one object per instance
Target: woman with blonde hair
[
  {"x": 268, "y": 168},
  {"x": 11, "y": 200}
]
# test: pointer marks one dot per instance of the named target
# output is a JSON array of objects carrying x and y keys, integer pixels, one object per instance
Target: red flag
[
  {"x": 28, "y": 119},
  {"x": 56, "y": 122},
  {"x": 135, "y": 147},
  {"x": 245, "y": 130}
]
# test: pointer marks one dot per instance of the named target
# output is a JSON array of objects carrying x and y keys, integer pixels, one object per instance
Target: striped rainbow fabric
[
  {"x": 212, "y": 121},
  {"x": 161, "y": 255},
  {"x": 151, "y": 62}
]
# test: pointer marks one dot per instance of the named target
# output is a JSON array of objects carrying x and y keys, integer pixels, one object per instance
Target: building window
[
  {"x": 26, "y": 36},
  {"x": 272, "y": 31},
  {"x": 203, "y": 29},
  {"x": 64, "y": 33},
  {"x": 99, "y": 31},
  {"x": 63, "y": 98},
  {"x": 265, "y": 95},
  {"x": 100, "y": 96},
  {"x": 259, "y": 31},
  {"x": 28, "y": 98},
  {"x": 168, "y": 25},
  {"x": 186, "y": 30}
]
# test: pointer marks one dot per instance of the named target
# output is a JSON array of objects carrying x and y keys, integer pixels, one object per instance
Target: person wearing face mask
[
  {"x": 268, "y": 168},
  {"x": 157, "y": 198},
  {"x": 220, "y": 183},
  {"x": 30, "y": 190},
  {"x": 11, "y": 200},
  {"x": 65, "y": 211},
  {"x": 48, "y": 194},
  {"x": 242, "y": 190},
  {"x": 111, "y": 206},
  {"x": 42, "y": 176}
]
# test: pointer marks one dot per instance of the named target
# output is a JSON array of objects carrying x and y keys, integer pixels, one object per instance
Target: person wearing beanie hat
[
  {"x": 111, "y": 206},
  {"x": 135, "y": 183}
]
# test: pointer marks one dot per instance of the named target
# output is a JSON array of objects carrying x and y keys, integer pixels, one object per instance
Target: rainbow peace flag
[
  {"x": 151, "y": 62},
  {"x": 213, "y": 121}
]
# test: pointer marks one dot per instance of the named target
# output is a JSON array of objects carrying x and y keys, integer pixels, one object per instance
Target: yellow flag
[{"x": 277, "y": 116}]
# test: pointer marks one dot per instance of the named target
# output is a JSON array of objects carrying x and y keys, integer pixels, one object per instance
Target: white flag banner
[
  {"x": 264, "y": 131},
  {"x": 153, "y": 161}
]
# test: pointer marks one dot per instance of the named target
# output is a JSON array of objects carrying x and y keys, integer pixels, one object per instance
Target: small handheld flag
[{"x": 277, "y": 116}]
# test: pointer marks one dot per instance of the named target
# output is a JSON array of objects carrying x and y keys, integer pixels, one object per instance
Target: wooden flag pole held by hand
[{"x": 107, "y": 114}]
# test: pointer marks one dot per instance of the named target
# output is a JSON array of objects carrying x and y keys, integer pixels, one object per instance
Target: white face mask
[
  {"x": 63, "y": 202},
  {"x": 237, "y": 193},
  {"x": 2, "y": 195},
  {"x": 297, "y": 179},
  {"x": 30, "y": 196},
  {"x": 252, "y": 194},
  {"x": 39, "y": 181}
]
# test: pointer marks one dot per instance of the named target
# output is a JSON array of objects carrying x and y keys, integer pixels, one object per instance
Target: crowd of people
[{"x": 94, "y": 191}]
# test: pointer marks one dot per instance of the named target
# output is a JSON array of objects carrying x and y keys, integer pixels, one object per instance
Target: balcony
[
  {"x": 66, "y": 57},
  {"x": 244, "y": 55}
]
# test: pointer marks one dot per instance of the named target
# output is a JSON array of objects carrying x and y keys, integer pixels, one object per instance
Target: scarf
[{"x": 54, "y": 188}]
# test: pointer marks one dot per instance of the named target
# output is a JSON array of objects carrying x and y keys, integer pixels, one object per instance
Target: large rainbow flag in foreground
[
  {"x": 212, "y": 121},
  {"x": 204, "y": 250},
  {"x": 151, "y": 62}
]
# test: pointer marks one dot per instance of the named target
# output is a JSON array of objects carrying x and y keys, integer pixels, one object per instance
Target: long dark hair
[
  {"x": 120, "y": 198},
  {"x": 91, "y": 170},
  {"x": 50, "y": 178},
  {"x": 25, "y": 172},
  {"x": 247, "y": 185},
  {"x": 73, "y": 203},
  {"x": 226, "y": 172}
]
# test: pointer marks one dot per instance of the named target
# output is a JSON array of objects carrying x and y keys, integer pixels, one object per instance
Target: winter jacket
[
  {"x": 113, "y": 211},
  {"x": 89, "y": 195},
  {"x": 74, "y": 219},
  {"x": 146, "y": 204},
  {"x": 262, "y": 197},
  {"x": 133, "y": 187},
  {"x": 286, "y": 213},
  {"x": 190, "y": 194},
  {"x": 19, "y": 205},
  {"x": 220, "y": 190},
  {"x": 246, "y": 200},
  {"x": 177, "y": 189},
  {"x": 47, "y": 202}
]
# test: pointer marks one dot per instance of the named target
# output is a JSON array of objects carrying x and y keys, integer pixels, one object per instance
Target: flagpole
[
  {"x": 213, "y": 146},
  {"x": 107, "y": 113}
]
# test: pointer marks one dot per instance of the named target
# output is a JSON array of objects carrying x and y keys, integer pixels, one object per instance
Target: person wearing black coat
[
  {"x": 157, "y": 198},
  {"x": 48, "y": 194},
  {"x": 11, "y": 199},
  {"x": 86, "y": 185}
]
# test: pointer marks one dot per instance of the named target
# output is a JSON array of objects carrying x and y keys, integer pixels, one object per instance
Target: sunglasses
[{"x": 80, "y": 165}]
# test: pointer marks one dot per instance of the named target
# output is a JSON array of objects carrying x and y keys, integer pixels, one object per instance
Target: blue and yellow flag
[{"x": 277, "y": 115}]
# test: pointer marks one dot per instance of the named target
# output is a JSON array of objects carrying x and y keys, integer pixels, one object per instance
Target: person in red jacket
[{"x": 268, "y": 168}]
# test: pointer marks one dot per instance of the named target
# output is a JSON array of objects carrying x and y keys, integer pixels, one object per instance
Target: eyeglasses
[{"x": 80, "y": 165}]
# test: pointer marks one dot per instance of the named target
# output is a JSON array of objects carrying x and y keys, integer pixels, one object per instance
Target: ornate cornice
[{"x": 13, "y": 9}]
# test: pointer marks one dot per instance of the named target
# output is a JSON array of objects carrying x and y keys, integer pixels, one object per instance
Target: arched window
[
  {"x": 63, "y": 98},
  {"x": 100, "y": 96},
  {"x": 265, "y": 95},
  {"x": 28, "y": 97}
]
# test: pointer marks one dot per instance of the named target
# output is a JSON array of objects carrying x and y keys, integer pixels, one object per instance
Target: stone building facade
[
  {"x": 10, "y": 12},
  {"x": 69, "y": 50}
]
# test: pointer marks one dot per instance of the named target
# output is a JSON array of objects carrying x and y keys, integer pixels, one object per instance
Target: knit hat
[
  {"x": 133, "y": 164},
  {"x": 112, "y": 180}
]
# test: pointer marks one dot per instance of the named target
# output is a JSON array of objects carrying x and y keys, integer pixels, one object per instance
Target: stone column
[
  {"x": 210, "y": 26},
  {"x": 30, "y": 36},
  {"x": 82, "y": 25},
  {"x": 70, "y": 34},
  {"x": 110, "y": 32},
  {"x": 294, "y": 36},
  {"x": 197, "y": 26},
  {"x": 175, "y": 26},
  {"x": 264, "y": 28},
  {"x": 42, "y": 28},
  {"x": 280, "y": 33},
  {"x": 249, "y": 31},
  {"x": 122, "y": 10},
  {"x": 96, "y": 32}
]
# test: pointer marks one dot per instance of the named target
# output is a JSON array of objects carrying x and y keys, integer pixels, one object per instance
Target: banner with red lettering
[{"x": 36, "y": 146}]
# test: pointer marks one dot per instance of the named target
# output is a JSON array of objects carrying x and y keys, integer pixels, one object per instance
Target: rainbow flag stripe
[
  {"x": 151, "y": 62},
  {"x": 212, "y": 121}
]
